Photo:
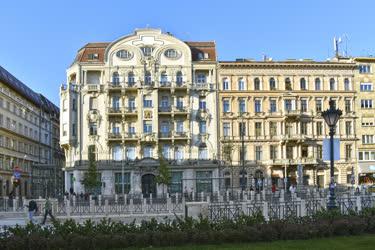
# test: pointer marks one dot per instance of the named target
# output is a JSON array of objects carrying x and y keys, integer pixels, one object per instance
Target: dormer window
[
  {"x": 93, "y": 56},
  {"x": 147, "y": 51},
  {"x": 124, "y": 54},
  {"x": 171, "y": 53}
]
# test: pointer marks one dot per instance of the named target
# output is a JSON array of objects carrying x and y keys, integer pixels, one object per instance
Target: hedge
[{"x": 108, "y": 234}]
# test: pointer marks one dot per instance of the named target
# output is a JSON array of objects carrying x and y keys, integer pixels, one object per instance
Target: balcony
[
  {"x": 130, "y": 111},
  {"x": 114, "y": 136},
  {"x": 180, "y": 135},
  {"x": 180, "y": 110},
  {"x": 131, "y": 136},
  {"x": 292, "y": 113},
  {"x": 148, "y": 84},
  {"x": 203, "y": 114},
  {"x": 165, "y": 109},
  {"x": 203, "y": 137},
  {"x": 165, "y": 85},
  {"x": 180, "y": 85},
  {"x": 131, "y": 86},
  {"x": 92, "y": 87},
  {"x": 114, "y": 111},
  {"x": 114, "y": 86},
  {"x": 148, "y": 137},
  {"x": 298, "y": 138},
  {"x": 165, "y": 135}
]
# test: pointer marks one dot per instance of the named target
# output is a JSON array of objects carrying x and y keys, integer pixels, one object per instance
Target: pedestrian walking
[
  {"x": 48, "y": 211},
  {"x": 273, "y": 188},
  {"x": 33, "y": 208}
]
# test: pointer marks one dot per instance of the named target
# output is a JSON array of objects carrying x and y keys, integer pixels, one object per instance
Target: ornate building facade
[
  {"x": 275, "y": 108},
  {"x": 130, "y": 101}
]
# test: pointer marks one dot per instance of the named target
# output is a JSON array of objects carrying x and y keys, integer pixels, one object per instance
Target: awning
[{"x": 364, "y": 169}]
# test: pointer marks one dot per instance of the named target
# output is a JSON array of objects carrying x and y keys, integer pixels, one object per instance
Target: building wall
[{"x": 303, "y": 144}]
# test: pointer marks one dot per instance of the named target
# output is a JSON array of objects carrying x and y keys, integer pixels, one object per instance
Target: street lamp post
[
  {"x": 331, "y": 117},
  {"x": 243, "y": 154}
]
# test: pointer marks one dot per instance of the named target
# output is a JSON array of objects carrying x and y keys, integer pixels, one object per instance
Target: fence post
[
  {"x": 208, "y": 199},
  {"x": 244, "y": 208},
  {"x": 131, "y": 206},
  {"x": 106, "y": 207},
  {"x": 359, "y": 203},
  {"x": 25, "y": 209},
  {"x": 116, "y": 198},
  {"x": 303, "y": 208},
  {"x": 169, "y": 204},
  {"x": 14, "y": 204},
  {"x": 265, "y": 210},
  {"x": 67, "y": 207},
  {"x": 144, "y": 206}
]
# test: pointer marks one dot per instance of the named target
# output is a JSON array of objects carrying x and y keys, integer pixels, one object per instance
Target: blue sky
[{"x": 39, "y": 39}]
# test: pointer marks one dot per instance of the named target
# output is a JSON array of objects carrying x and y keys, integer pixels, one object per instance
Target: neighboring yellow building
[
  {"x": 365, "y": 110},
  {"x": 278, "y": 104}
]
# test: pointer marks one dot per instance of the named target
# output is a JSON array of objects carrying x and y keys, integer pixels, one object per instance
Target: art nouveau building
[
  {"x": 129, "y": 101},
  {"x": 277, "y": 105}
]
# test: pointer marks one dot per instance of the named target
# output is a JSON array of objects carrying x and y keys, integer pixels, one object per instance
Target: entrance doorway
[{"x": 148, "y": 185}]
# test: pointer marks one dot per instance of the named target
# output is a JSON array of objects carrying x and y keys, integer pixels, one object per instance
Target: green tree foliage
[
  {"x": 91, "y": 177},
  {"x": 164, "y": 175}
]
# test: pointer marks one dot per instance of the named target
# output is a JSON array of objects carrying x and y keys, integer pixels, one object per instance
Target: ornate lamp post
[{"x": 331, "y": 117}]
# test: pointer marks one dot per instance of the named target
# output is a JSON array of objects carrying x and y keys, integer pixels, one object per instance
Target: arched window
[
  {"x": 256, "y": 84},
  {"x": 272, "y": 84},
  {"x": 163, "y": 78},
  {"x": 115, "y": 78},
  {"x": 131, "y": 79},
  {"x": 346, "y": 84},
  {"x": 241, "y": 84},
  {"x": 148, "y": 78},
  {"x": 332, "y": 84},
  {"x": 302, "y": 84},
  {"x": 225, "y": 84},
  {"x": 317, "y": 84},
  {"x": 179, "y": 78},
  {"x": 288, "y": 84},
  {"x": 201, "y": 78}
]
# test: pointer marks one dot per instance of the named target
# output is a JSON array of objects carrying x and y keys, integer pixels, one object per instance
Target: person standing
[
  {"x": 33, "y": 208},
  {"x": 48, "y": 211}
]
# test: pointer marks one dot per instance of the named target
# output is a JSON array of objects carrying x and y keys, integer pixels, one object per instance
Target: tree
[
  {"x": 90, "y": 179},
  {"x": 228, "y": 150},
  {"x": 164, "y": 175}
]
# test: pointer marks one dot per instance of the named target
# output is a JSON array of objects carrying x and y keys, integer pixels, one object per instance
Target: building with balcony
[
  {"x": 30, "y": 156},
  {"x": 275, "y": 108},
  {"x": 132, "y": 100}
]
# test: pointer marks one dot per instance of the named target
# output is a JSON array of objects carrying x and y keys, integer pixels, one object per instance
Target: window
[
  {"x": 273, "y": 152},
  {"x": 304, "y": 151},
  {"x": 258, "y": 129},
  {"x": 148, "y": 152},
  {"x": 163, "y": 78},
  {"x": 319, "y": 128},
  {"x": 272, "y": 84},
  {"x": 74, "y": 130},
  {"x": 131, "y": 103},
  {"x": 288, "y": 84},
  {"x": 130, "y": 153},
  {"x": 226, "y": 129},
  {"x": 92, "y": 152},
  {"x": 256, "y": 84},
  {"x": 304, "y": 128},
  {"x": 273, "y": 107},
  {"x": 202, "y": 153},
  {"x": 366, "y": 155},
  {"x": 319, "y": 152},
  {"x": 348, "y": 151},
  {"x": 74, "y": 102},
  {"x": 115, "y": 128},
  {"x": 364, "y": 87},
  {"x": 225, "y": 84},
  {"x": 317, "y": 84},
  {"x": 166, "y": 151},
  {"x": 147, "y": 126},
  {"x": 303, "y": 105},
  {"x": 93, "y": 56},
  {"x": 226, "y": 107},
  {"x": 302, "y": 84},
  {"x": 288, "y": 105},
  {"x": 171, "y": 53},
  {"x": 115, "y": 78},
  {"x": 202, "y": 103},
  {"x": 364, "y": 69},
  {"x": 204, "y": 181},
  {"x": 242, "y": 105},
  {"x": 116, "y": 103},
  {"x": 147, "y": 50},
  {"x": 176, "y": 183},
  {"x": 346, "y": 84},
  {"x": 201, "y": 78},
  {"x": 241, "y": 84},
  {"x": 258, "y": 106},
  {"x": 332, "y": 84},
  {"x": 202, "y": 127},
  {"x": 318, "y": 105},
  {"x": 93, "y": 103},
  {"x": 289, "y": 152},
  {"x": 124, "y": 54},
  {"x": 164, "y": 101},
  {"x": 348, "y": 105},
  {"x": 116, "y": 153},
  {"x": 165, "y": 127},
  {"x": 1, "y": 102},
  {"x": 148, "y": 80},
  {"x": 93, "y": 128},
  {"x": 131, "y": 79},
  {"x": 2, "y": 120},
  {"x": 367, "y": 139},
  {"x": 147, "y": 101},
  {"x": 122, "y": 183},
  {"x": 179, "y": 126},
  {"x": 258, "y": 153},
  {"x": 366, "y": 103},
  {"x": 179, "y": 153},
  {"x": 242, "y": 128},
  {"x": 179, "y": 78},
  {"x": 180, "y": 102},
  {"x": 273, "y": 128}
]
